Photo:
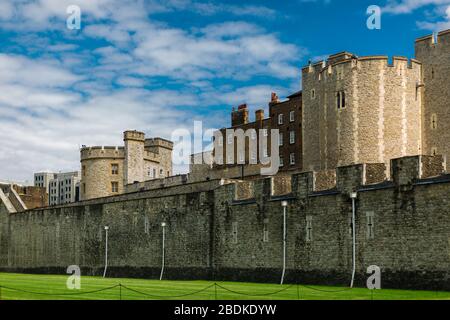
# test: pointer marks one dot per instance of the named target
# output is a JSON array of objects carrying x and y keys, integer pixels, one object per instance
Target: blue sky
[{"x": 158, "y": 65}]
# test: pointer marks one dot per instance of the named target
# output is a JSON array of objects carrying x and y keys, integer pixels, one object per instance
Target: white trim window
[
  {"x": 280, "y": 139},
  {"x": 292, "y": 159},
  {"x": 292, "y": 137},
  {"x": 280, "y": 118},
  {"x": 292, "y": 116},
  {"x": 281, "y": 162}
]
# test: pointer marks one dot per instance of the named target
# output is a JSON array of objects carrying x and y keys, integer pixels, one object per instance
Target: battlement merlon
[
  {"x": 134, "y": 135},
  {"x": 102, "y": 152},
  {"x": 329, "y": 65}
]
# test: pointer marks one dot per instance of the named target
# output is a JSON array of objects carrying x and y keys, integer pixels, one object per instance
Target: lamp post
[
  {"x": 163, "y": 225},
  {"x": 106, "y": 251},
  {"x": 284, "y": 205},
  {"x": 353, "y": 196}
]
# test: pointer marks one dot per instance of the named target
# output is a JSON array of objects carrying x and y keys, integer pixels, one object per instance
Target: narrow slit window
[
  {"x": 235, "y": 232},
  {"x": 266, "y": 231},
  {"x": 309, "y": 229},
  {"x": 370, "y": 225}
]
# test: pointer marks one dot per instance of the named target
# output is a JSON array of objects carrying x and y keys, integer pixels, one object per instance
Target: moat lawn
[{"x": 53, "y": 287}]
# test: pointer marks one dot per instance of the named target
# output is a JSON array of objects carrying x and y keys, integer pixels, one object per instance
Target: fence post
[{"x": 215, "y": 291}]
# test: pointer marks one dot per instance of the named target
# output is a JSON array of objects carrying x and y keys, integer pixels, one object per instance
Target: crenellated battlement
[
  {"x": 329, "y": 67},
  {"x": 404, "y": 171},
  {"x": 102, "y": 152},
  {"x": 158, "y": 142}
]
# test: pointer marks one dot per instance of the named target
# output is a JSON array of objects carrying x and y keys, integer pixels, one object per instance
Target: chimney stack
[
  {"x": 239, "y": 116},
  {"x": 259, "y": 115}
]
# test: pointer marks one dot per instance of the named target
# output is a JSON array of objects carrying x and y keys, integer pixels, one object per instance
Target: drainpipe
[
  {"x": 284, "y": 205},
  {"x": 353, "y": 196},
  {"x": 163, "y": 225},
  {"x": 106, "y": 251}
]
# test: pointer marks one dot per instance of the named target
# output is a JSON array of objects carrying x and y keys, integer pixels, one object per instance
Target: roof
[{"x": 296, "y": 94}]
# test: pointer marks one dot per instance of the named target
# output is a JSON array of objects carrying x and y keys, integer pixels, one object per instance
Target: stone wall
[{"x": 218, "y": 233}]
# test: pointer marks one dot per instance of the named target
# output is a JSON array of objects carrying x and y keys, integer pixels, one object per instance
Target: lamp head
[
  {"x": 353, "y": 195},
  {"x": 163, "y": 224},
  {"x": 106, "y": 228},
  {"x": 284, "y": 203}
]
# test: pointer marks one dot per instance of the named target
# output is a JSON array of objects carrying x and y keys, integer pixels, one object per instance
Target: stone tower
[
  {"x": 134, "y": 156},
  {"x": 434, "y": 53},
  {"x": 360, "y": 110}
]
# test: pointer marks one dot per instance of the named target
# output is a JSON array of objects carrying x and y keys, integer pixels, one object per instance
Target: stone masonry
[{"x": 215, "y": 229}]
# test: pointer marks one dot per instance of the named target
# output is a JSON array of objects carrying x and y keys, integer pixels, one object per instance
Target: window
[
  {"x": 292, "y": 159},
  {"x": 253, "y": 155},
  {"x": 280, "y": 118},
  {"x": 161, "y": 172},
  {"x": 280, "y": 139},
  {"x": 235, "y": 232},
  {"x": 146, "y": 225},
  {"x": 369, "y": 230},
  {"x": 154, "y": 173},
  {"x": 149, "y": 172},
  {"x": 114, "y": 187},
  {"x": 292, "y": 116},
  {"x": 253, "y": 134},
  {"x": 265, "y": 153},
  {"x": 84, "y": 188},
  {"x": 313, "y": 94},
  {"x": 265, "y": 132},
  {"x": 434, "y": 121},
  {"x": 309, "y": 229},
  {"x": 281, "y": 162},
  {"x": 340, "y": 100},
  {"x": 114, "y": 168},
  {"x": 292, "y": 137},
  {"x": 434, "y": 151},
  {"x": 266, "y": 230}
]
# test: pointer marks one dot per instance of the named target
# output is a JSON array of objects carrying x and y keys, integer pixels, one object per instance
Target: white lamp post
[
  {"x": 284, "y": 205},
  {"x": 163, "y": 225},
  {"x": 106, "y": 251},
  {"x": 353, "y": 196}
]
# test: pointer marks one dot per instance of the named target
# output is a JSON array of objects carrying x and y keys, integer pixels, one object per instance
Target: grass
[{"x": 53, "y": 287}]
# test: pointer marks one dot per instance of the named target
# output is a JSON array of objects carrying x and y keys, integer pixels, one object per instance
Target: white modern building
[{"x": 64, "y": 188}]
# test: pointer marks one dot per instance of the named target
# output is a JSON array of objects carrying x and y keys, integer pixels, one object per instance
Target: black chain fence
[{"x": 216, "y": 286}]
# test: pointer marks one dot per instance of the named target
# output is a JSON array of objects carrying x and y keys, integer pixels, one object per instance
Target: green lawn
[{"x": 53, "y": 287}]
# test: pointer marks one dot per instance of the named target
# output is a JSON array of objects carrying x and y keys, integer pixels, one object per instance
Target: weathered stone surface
[{"x": 211, "y": 234}]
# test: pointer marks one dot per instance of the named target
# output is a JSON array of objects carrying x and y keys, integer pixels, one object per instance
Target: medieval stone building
[{"x": 106, "y": 170}]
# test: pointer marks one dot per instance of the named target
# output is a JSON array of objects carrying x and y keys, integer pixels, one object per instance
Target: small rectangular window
[
  {"x": 280, "y": 139},
  {"x": 281, "y": 162},
  {"x": 114, "y": 169},
  {"x": 235, "y": 232},
  {"x": 280, "y": 118},
  {"x": 370, "y": 225},
  {"x": 313, "y": 94},
  {"x": 292, "y": 137},
  {"x": 292, "y": 158},
  {"x": 309, "y": 234},
  {"x": 114, "y": 187},
  {"x": 292, "y": 116}
]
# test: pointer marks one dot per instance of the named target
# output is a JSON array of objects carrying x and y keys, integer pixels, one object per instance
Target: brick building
[{"x": 286, "y": 116}]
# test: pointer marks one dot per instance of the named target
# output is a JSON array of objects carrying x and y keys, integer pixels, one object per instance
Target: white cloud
[
  {"x": 63, "y": 95},
  {"x": 408, "y": 6}
]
